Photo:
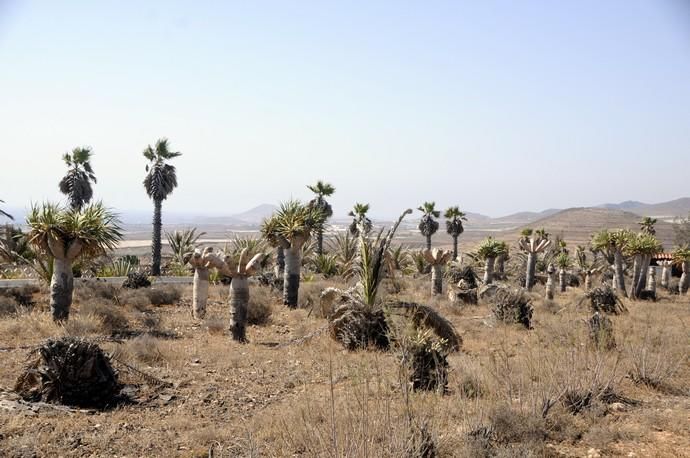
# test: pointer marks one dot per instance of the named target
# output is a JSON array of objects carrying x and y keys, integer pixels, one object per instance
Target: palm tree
[
  {"x": 76, "y": 184},
  {"x": 361, "y": 224},
  {"x": 160, "y": 181},
  {"x": 489, "y": 250},
  {"x": 454, "y": 218},
  {"x": 290, "y": 228},
  {"x": 614, "y": 243},
  {"x": 4, "y": 213},
  {"x": 321, "y": 190},
  {"x": 641, "y": 247},
  {"x": 563, "y": 262},
  {"x": 682, "y": 256},
  {"x": 647, "y": 225},
  {"x": 65, "y": 235},
  {"x": 533, "y": 243},
  {"x": 428, "y": 225}
]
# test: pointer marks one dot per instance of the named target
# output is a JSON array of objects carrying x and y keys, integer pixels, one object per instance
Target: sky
[{"x": 495, "y": 106}]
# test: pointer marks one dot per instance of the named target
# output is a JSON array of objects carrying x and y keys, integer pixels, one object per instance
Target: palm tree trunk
[
  {"x": 239, "y": 302},
  {"x": 588, "y": 281},
  {"x": 279, "y": 268},
  {"x": 642, "y": 276},
  {"x": 428, "y": 242},
  {"x": 561, "y": 280},
  {"x": 455, "y": 248},
  {"x": 319, "y": 241},
  {"x": 436, "y": 279},
  {"x": 200, "y": 292},
  {"x": 651, "y": 280},
  {"x": 500, "y": 265},
  {"x": 684, "y": 283},
  {"x": 291, "y": 276},
  {"x": 61, "y": 288},
  {"x": 550, "y": 283},
  {"x": 619, "y": 275},
  {"x": 637, "y": 265},
  {"x": 156, "y": 239},
  {"x": 665, "y": 273},
  {"x": 531, "y": 268},
  {"x": 489, "y": 271}
]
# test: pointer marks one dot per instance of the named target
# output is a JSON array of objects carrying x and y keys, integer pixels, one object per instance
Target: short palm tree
[
  {"x": 4, "y": 213},
  {"x": 290, "y": 228},
  {"x": 682, "y": 256},
  {"x": 161, "y": 179},
  {"x": 322, "y": 190},
  {"x": 587, "y": 268},
  {"x": 489, "y": 250},
  {"x": 437, "y": 259},
  {"x": 533, "y": 243},
  {"x": 614, "y": 243},
  {"x": 361, "y": 224},
  {"x": 647, "y": 225},
  {"x": 454, "y": 218},
  {"x": 564, "y": 262},
  {"x": 428, "y": 224},
  {"x": 641, "y": 247},
  {"x": 76, "y": 184},
  {"x": 65, "y": 235}
]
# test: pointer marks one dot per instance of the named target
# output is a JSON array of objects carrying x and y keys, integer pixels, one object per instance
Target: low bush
[
  {"x": 164, "y": 295},
  {"x": 111, "y": 316},
  {"x": 260, "y": 306}
]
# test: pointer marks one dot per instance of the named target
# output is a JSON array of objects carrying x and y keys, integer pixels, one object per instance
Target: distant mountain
[
  {"x": 670, "y": 209},
  {"x": 525, "y": 217},
  {"x": 257, "y": 214}
]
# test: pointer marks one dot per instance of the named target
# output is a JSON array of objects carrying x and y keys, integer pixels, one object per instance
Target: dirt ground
[{"x": 293, "y": 391}]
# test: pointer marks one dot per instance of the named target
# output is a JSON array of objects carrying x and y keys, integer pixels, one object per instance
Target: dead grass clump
[
  {"x": 310, "y": 294},
  {"x": 215, "y": 326},
  {"x": 111, "y": 316},
  {"x": 654, "y": 367},
  {"x": 471, "y": 387},
  {"x": 145, "y": 349},
  {"x": 260, "y": 306},
  {"x": 69, "y": 371},
  {"x": 94, "y": 289},
  {"x": 601, "y": 332},
  {"x": 164, "y": 295},
  {"x": 23, "y": 295},
  {"x": 512, "y": 305},
  {"x": 421, "y": 442},
  {"x": 8, "y": 306},
  {"x": 83, "y": 325},
  {"x": 137, "y": 299}
]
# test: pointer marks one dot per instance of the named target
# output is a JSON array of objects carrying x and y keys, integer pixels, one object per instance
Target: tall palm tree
[
  {"x": 321, "y": 189},
  {"x": 159, "y": 183},
  {"x": 4, "y": 213},
  {"x": 682, "y": 256},
  {"x": 641, "y": 247},
  {"x": 76, "y": 184},
  {"x": 454, "y": 218},
  {"x": 647, "y": 225},
  {"x": 65, "y": 235},
  {"x": 489, "y": 250},
  {"x": 361, "y": 224},
  {"x": 290, "y": 228},
  {"x": 533, "y": 243},
  {"x": 615, "y": 243},
  {"x": 428, "y": 224}
]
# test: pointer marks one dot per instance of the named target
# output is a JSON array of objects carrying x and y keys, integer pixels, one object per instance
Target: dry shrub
[
  {"x": 69, "y": 371},
  {"x": 605, "y": 300},
  {"x": 136, "y": 280},
  {"x": 215, "y": 326},
  {"x": 144, "y": 348},
  {"x": 425, "y": 361},
  {"x": 23, "y": 295},
  {"x": 164, "y": 295},
  {"x": 260, "y": 306},
  {"x": 111, "y": 316},
  {"x": 94, "y": 289},
  {"x": 8, "y": 306},
  {"x": 310, "y": 294},
  {"x": 357, "y": 326},
  {"x": 82, "y": 325},
  {"x": 654, "y": 365},
  {"x": 471, "y": 387},
  {"x": 601, "y": 332},
  {"x": 512, "y": 305},
  {"x": 421, "y": 443},
  {"x": 136, "y": 298}
]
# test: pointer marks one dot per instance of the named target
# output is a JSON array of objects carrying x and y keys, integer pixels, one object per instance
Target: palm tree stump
[
  {"x": 437, "y": 259},
  {"x": 200, "y": 261},
  {"x": 665, "y": 273},
  {"x": 550, "y": 283}
]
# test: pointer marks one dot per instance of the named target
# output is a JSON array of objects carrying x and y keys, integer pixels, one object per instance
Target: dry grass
[{"x": 508, "y": 389}]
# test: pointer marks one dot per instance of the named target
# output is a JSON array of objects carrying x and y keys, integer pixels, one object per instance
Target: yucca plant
[
  {"x": 613, "y": 244},
  {"x": 324, "y": 264},
  {"x": 290, "y": 228},
  {"x": 322, "y": 190},
  {"x": 160, "y": 181},
  {"x": 428, "y": 224},
  {"x": 118, "y": 268},
  {"x": 66, "y": 234},
  {"x": 183, "y": 242},
  {"x": 76, "y": 184},
  {"x": 682, "y": 256},
  {"x": 344, "y": 247},
  {"x": 488, "y": 251},
  {"x": 641, "y": 247}
]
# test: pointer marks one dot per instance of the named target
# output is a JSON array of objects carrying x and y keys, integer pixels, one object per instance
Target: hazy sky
[{"x": 496, "y": 106}]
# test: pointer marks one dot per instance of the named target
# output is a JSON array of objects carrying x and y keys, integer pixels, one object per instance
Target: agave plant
[
  {"x": 614, "y": 243},
  {"x": 399, "y": 260},
  {"x": 641, "y": 247},
  {"x": 183, "y": 242},
  {"x": 361, "y": 224},
  {"x": 454, "y": 218},
  {"x": 76, "y": 184},
  {"x": 428, "y": 224},
  {"x": 322, "y": 190},
  {"x": 290, "y": 228},
  {"x": 325, "y": 264},
  {"x": 344, "y": 247},
  {"x": 488, "y": 251},
  {"x": 160, "y": 181},
  {"x": 682, "y": 256},
  {"x": 66, "y": 234}
]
